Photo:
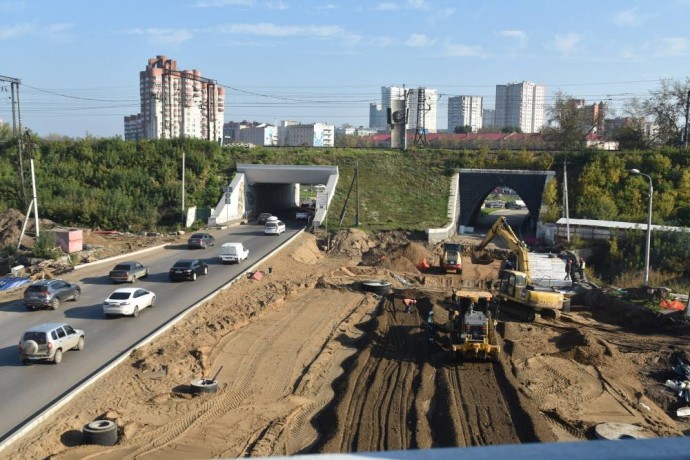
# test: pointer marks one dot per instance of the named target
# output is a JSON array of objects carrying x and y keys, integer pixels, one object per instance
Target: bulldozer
[
  {"x": 516, "y": 292},
  {"x": 472, "y": 329}
]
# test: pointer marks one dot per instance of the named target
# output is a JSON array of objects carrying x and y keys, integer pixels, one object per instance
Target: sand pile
[
  {"x": 351, "y": 242},
  {"x": 307, "y": 252}
]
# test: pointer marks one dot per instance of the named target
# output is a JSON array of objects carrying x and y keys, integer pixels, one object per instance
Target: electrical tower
[
  {"x": 17, "y": 130},
  {"x": 420, "y": 128}
]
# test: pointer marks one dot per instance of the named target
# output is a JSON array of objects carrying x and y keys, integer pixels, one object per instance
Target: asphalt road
[{"x": 27, "y": 390}]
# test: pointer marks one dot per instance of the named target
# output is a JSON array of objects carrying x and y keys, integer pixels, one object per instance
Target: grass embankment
[{"x": 396, "y": 190}]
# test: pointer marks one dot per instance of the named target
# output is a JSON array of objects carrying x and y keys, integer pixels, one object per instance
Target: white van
[{"x": 233, "y": 252}]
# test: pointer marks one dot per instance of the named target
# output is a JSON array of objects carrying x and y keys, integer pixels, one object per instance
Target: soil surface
[{"x": 308, "y": 362}]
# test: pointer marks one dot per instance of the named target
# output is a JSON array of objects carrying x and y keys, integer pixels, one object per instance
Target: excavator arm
[{"x": 502, "y": 229}]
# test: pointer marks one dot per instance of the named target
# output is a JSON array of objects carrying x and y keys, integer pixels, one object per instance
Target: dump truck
[
  {"x": 472, "y": 328},
  {"x": 516, "y": 292},
  {"x": 451, "y": 260}
]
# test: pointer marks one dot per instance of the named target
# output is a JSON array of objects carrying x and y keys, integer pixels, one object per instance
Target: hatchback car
[
  {"x": 200, "y": 241},
  {"x": 274, "y": 227},
  {"x": 49, "y": 294},
  {"x": 187, "y": 269},
  {"x": 128, "y": 302},
  {"x": 128, "y": 272},
  {"x": 49, "y": 341}
]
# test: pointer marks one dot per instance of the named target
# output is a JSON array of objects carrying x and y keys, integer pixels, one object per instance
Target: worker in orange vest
[{"x": 408, "y": 304}]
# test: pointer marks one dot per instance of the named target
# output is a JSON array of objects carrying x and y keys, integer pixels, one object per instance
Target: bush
[{"x": 45, "y": 247}]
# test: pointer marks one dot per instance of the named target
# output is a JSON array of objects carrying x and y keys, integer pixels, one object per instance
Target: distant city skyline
[{"x": 325, "y": 61}]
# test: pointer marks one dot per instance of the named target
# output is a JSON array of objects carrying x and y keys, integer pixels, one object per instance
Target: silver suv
[
  {"x": 49, "y": 294},
  {"x": 49, "y": 341}
]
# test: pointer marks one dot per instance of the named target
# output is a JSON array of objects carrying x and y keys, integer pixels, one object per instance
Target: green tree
[
  {"x": 567, "y": 123},
  {"x": 666, "y": 108}
]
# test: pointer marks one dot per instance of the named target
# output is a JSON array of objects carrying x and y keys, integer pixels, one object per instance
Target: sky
[{"x": 326, "y": 60}]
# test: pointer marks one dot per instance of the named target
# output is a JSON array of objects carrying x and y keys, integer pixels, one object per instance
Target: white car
[
  {"x": 274, "y": 226},
  {"x": 233, "y": 252},
  {"x": 128, "y": 302}
]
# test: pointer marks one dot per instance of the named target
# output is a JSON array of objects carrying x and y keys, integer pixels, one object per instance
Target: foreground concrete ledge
[{"x": 121, "y": 256}]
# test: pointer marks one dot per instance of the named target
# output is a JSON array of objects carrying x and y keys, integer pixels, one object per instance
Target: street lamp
[{"x": 636, "y": 172}]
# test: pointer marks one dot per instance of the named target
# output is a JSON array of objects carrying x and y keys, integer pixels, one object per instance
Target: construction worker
[
  {"x": 408, "y": 304},
  {"x": 581, "y": 268},
  {"x": 568, "y": 269},
  {"x": 453, "y": 297}
]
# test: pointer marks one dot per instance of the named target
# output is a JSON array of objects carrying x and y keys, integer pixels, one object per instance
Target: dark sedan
[
  {"x": 187, "y": 269},
  {"x": 201, "y": 241},
  {"x": 128, "y": 272}
]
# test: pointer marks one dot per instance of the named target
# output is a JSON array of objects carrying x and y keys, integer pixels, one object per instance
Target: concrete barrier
[{"x": 435, "y": 235}]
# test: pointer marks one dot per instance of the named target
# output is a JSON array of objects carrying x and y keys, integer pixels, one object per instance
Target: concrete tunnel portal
[
  {"x": 258, "y": 188},
  {"x": 475, "y": 185}
]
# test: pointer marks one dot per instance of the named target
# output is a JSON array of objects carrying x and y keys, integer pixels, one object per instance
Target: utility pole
[
  {"x": 17, "y": 131},
  {"x": 565, "y": 198},
  {"x": 357, "y": 194},
  {"x": 184, "y": 217},
  {"x": 687, "y": 111}
]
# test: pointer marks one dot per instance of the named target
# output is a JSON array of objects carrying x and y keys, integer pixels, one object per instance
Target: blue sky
[{"x": 326, "y": 60}]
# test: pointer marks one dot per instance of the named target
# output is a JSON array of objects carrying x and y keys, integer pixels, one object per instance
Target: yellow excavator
[{"x": 516, "y": 292}]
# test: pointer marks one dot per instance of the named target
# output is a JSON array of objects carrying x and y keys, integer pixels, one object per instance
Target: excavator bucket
[{"x": 481, "y": 258}]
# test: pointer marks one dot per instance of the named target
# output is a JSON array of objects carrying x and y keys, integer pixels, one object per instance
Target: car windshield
[
  {"x": 37, "y": 288},
  {"x": 271, "y": 225},
  {"x": 38, "y": 337},
  {"x": 120, "y": 295},
  {"x": 197, "y": 235},
  {"x": 121, "y": 267},
  {"x": 182, "y": 264}
]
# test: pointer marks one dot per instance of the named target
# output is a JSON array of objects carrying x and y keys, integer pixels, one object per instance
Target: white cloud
[
  {"x": 279, "y": 5},
  {"x": 519, "y": 35},
  {"x": 462, "y": 50},
  {"x": 419, "y": 4},
  {"x": 17, "y": 30},
  {"x": 674, "y": 46},
  {"x": 328, "y": 6},
  {"x": 12, "y": 7},
  {"x": 567, "y": 44},
  {"x": 382, "y": 41},
  {"x": 266, "y": 29},
  {"x": 388, "y": 6},
  {"x": 164, "y": 36},
  {"x": 221, "y": 3},
  {"x": 628, "y": 18},
  {"x": 419, "y": 40}
]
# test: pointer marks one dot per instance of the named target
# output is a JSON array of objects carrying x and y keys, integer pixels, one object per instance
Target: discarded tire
[
  {"x": 379, "y": 287},
  {"x": 204, "y": 386},
  {"x": 100, "y": 432}
]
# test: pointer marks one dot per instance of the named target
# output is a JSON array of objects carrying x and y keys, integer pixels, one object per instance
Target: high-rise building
[
  {"x": 465, "y": 111},
  {"x": 488, "y": 116},
  {"x": 179, "y": 103},
  {"x": 377, "y": 116},
  {"x": 521, "y": 105},
  {"x": 422, "y": 100}
]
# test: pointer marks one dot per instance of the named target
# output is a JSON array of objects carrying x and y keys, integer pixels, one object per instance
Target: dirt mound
[
  {"x": 11, "y": 222},
  {"x": 406, "y": 258},
  {"x": 307, "y": 252},
  {"x": 352, "y": 242}
]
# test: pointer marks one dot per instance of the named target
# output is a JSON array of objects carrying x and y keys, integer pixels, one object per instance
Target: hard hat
[{"x": 431, "y": 312}]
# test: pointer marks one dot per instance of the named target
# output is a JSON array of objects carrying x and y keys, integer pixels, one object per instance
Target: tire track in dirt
[{"x": 375, "y": 407}]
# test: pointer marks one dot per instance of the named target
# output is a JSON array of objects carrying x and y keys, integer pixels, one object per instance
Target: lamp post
[{"x": 636, "y": 172}]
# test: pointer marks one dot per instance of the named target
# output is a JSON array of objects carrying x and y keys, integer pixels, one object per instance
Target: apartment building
[
  {"x": 488, "y": 116},
  {"x": 178, "y": 103},
  {"x": 263, "y": 134},
  {"x": 378, "y": 118},
  {"x": 134, "y": 127},
  {"x": 388, "y": 94},
  {"x": 465, "y": 111},
  {"x": 293, "y": 134},
  {"x": 521, "y": 105}
]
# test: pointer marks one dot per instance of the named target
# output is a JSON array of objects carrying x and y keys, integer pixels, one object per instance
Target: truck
[
  {"x": 516, "y": 292},
  {"x": 233, "y": 252},
  {"x": 451, "y": 259}
]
